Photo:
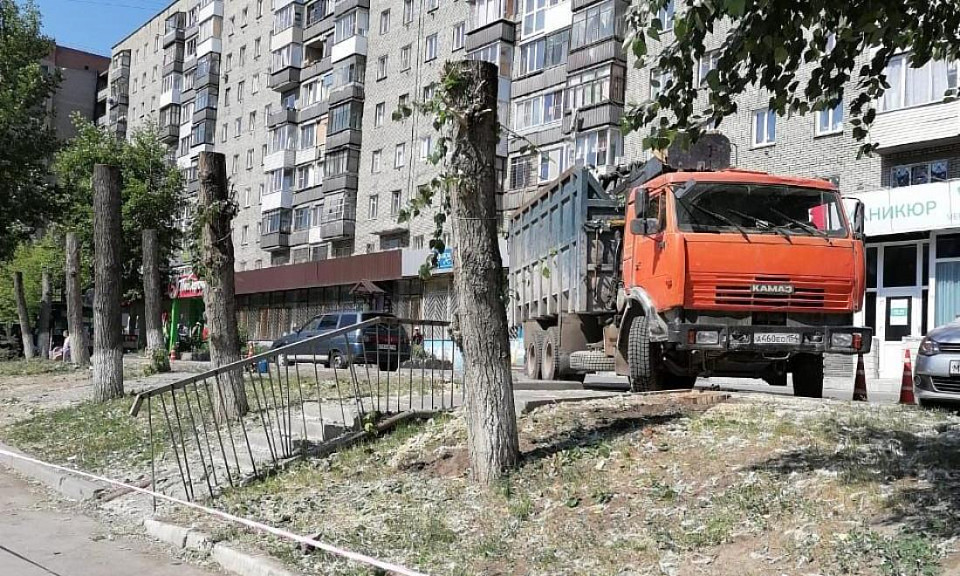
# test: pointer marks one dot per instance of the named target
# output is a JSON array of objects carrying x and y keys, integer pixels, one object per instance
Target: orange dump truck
[{"x": 680, "y": 273}]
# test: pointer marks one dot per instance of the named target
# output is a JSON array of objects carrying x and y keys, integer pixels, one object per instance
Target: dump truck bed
[{"x": 565, "y": 250}]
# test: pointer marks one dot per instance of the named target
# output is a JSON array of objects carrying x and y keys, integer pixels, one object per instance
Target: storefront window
[
  {"x": 948, "y": 246},
  {"x": 872, "y": 267}
]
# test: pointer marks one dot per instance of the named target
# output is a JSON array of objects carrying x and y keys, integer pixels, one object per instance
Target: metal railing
[{"x": 300, "y": 397}]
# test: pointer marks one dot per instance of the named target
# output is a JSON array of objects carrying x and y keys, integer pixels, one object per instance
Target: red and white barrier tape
[{"x": 329, "y": 548}]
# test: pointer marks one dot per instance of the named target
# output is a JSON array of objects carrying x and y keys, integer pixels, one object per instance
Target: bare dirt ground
[{"x": 757, "y": 485}]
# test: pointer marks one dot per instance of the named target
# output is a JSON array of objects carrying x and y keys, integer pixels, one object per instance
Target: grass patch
[
  {"x": 89, "y": 436},
  {"x": 34, "y": 367}
]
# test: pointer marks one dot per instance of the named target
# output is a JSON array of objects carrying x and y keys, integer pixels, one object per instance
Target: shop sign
[
  {"x": 187, "y": 286},
  {"x": 911, "y": 208},
  {"x": 445, "y": 260},
  {"x": 899, "y": 312}
]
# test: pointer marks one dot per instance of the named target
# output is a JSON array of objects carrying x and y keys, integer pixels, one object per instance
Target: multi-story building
[{"x": 82, "y": 87}]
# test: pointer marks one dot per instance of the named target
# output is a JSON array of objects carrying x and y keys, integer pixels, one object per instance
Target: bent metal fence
[{"x": 302, "y": 398}]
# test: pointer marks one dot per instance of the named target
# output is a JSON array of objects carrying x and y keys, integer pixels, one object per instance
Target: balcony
[
  {"x": 355, "y": 45},
  {"x": 349, "y": 137},
  {"x": 315, "y": 29},
  {"x": 311, "y": 71},
  {"x": 213, "y": 8},
  {"x": 170, "y": 97},
  {"x": 285, "y": 116},
  {"x": 285, "y": 79},
  {"x": 118, "y": 99},
  {"x": 341, "y": 182},
  {"x": 208, "y": 46},
  {"x": 313, "y": 111},
  {"x": 210, "y": 78},
  {"x": 170, "y": 134},
  {"x": 497, "y": 31},
  {"x": 916, "y": 127},
  {"x": 306, "y": 155},
  {"x": 275, "y": 241},
  {"x": 291, "y": 35},
  {"x": 279, "y": 160},
  {"x": 174, "y": 35},
  {"x": 338, "y": 228},
  {"x": 350, "y": 91},
  {"x": 277, "y": 199}
]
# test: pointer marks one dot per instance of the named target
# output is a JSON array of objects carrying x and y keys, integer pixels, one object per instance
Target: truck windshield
[{"x": 760, "y": 209}]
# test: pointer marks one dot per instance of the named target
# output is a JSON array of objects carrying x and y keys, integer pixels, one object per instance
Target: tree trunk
[
  {"x": 46, "y": 304},
  {"x": 107, "y": 323},
  {"x": 216, "y": 209},
  {"x": 25, "y": 332},
  {"x": 481, "y": 317},
  {"x": 152, "y": 292},
  {"x": 79, "y": 353}
]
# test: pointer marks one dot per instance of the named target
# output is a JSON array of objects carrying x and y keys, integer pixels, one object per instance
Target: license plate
[
  {"x": 388, "y": 346},
  {"x": 955, "y": 367},
  {"x": 776, "y": 338}
]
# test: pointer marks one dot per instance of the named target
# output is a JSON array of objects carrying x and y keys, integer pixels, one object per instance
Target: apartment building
[{"x": 81, "y": 90}]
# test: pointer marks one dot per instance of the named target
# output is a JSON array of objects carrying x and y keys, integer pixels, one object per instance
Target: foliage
[
  {"x": 783, "y": 48},
  {"x": 157, "y": 363},
  {"x": 31, "y": 258},
  {"x": 28, "y": 137},
  {"x": 152, "y": 191},
  {"x": 209, "y": 213},
  {"x": 34, "y": 367}
]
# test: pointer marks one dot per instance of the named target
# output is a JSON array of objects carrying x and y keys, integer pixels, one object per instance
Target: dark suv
[{"x": 386, "y": 345}]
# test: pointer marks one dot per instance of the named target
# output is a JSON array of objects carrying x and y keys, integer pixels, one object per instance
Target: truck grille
[{"x": 729, "y": 291}]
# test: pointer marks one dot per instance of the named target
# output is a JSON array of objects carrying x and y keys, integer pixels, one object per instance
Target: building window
[
  {"x": 429, "y": 91},
  {"x": 552, "y": 164},
  {"x": 666, "y": 14},
  {"x": 407, "y": 11},
  {"x": 243, "y": 234},
  {"x": 345, "y": 117},
  {"x": 659, "y": 81},
  {"x": 252, "y": 122},
  {"x": 544, "y": 52},
  {"x": 405, "y": 57},
  {"x": 238, "y": 127},
  {"x": 534, "y": 14},
  {"x": 378, "y": 113},
  {"x": 521, "y": 172},
  {"x": 223, "y": 132},
  {"x": 593, "y": 24},
  {"x": 707, "y": 63},
  {"x": 402, "y": 101},
  {"x": 375, "y": 161},
  {"x": 538, "y": 111},
  {"x": 913, "y": 174},
  {"x": 418, "y": 242},
  {"x": 426, "y": 147},
  {"x": 249, "y": 164},
  {"x": 384, "y": 21},
  {"x": 242, "y": 56},
  {"x": 395, "y": 202},
  {"x": 764, "y": 127},
  {"x": 236, "y": 164},
  {"x": 593, "y": 87},
  {"x": 399, "y": 156},
  {"x": 354, "y": 23},
  {"x": 459, "y": 31},
  {"x": 430, "y": 52},
  {"x": 382, "y": 67},
  {"x": 433, "y": 4},
  {"x": 301, "y": 218},
  {"x": 257, "y": 48},
  {"x": 916, "y": 86},
  {"x": 255, "y": 84},
  {"x": 487, "y": 11},
  {"x": 598, "y": 148},
  {"x": 372, "y": 206},
  {"x": 304, "y": 177},
  {"x": 830, "y": 121}
]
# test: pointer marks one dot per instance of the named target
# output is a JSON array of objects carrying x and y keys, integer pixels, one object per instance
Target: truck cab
[{"x": 738, "y": 273}]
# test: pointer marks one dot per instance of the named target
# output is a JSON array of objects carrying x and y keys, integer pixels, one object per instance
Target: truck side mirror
[
  {"x": 858, "y": 220},
  {"x": 637, "y": 227},
  {"x": 651, "y": 226}
]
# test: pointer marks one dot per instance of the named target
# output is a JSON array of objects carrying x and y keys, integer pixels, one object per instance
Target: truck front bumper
[{"x": 772, "y": 339}]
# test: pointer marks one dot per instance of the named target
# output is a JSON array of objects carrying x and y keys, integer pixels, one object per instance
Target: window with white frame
[
  {"x": 354, "y": 23},
  {"x": 521, "y": 172},
  {"x": 252, "y": 122},
  {"x": 594, "y": 86},
  {"x": 487, "y": 11},
  {"x": 707, "y": 63},
  {"x": 308, "y": 133},
  {"x": 433, "y": 4},
  {"x": 539, "y": 110},
  {"x": 396, "y": 202},
  {"x": 593, "y": 24},
  {"x": 597, "y": 148},
  {"x": 243, "y": 234},
  {"x": 430, "y": 50},
  {"x": 764, "y": 127},
  {"x": 336, "y": 163},
  {"x": 534, "y": 14},
  {"x": 290, "y": 55},
  {"x": 429, "y": 91},
  {"x": 459, "y": 31},
  {"x": 237, "y": 127},
  {"x": 659, "y": 81},
  {"x": 666, "y": 14},
  {"x": 249, "y": 162},
  {"x": 304, "y": 176},
  {"x": 301, "y": 218},
  {"x": 375, "y": 160},
  {"x": 552, "y": 164},
  {"x": 382, "y": 67},
  {"x": 405, "y": 57},
  {"x": 400, "y": 156},
  {"x": 373, "y": 205},
  {"x": 378, "y": 114},
  {"x": 921, "y": 173},
  {"x": 830, "y": 121},
  {"x": 497, "y": 53},
  {"x": 384, "y": 21},
  {"x": 407, "y": 11},
  {"x": 426, "y": 147},
  {"x": 544, "y": 52},
  {"x": 911, "y": 86},
  {"x": 284, "y": 137}
]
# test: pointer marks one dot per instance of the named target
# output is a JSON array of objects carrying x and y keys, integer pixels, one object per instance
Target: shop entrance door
[{"x": 899, "y": 303}]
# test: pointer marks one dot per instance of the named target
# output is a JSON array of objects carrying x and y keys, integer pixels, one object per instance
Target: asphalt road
[{"x": 44, "y": 537}]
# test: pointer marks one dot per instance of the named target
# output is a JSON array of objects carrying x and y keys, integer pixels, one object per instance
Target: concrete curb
[
  {"x": 230, "y": 559},
  {"x": 68, "y": 485}
]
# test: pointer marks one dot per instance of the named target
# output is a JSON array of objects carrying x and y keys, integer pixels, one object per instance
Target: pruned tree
[
  {"x": 26, "y": 333},
  {"x": 107, "y": 326},
  {"x": 213, "y": 224},
  {"x": 43, "y": 322},
  {"x": 802, "y": 52},
  {"x": 27, "y": 199},
  {"x": 79, "y": 352},
  {"x": 464, "y": 110},
  {"x": 152, "y": 293}
]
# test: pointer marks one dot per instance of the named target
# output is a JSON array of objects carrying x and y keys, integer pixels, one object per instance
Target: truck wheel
[
  {"x": 533, "y": 353},
  {"x": 807, "y": 375},
  {"x": 556, "y": 362},
  {"x": 643, "y": 356}
]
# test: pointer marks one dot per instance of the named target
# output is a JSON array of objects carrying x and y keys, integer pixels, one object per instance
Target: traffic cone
[
  {"x": 860, "y": 382},
  {"x": 173, "y": 353},
  {"x": 906, "y": 384}
]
